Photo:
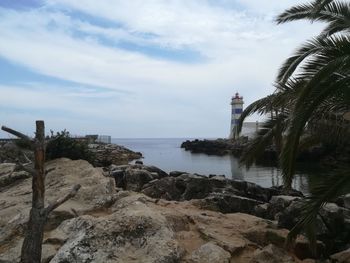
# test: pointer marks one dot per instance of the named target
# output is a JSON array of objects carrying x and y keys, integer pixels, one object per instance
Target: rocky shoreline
[
  {"x": 107, "y": 154},
  {"x": 104, "y": 154},
  {"x": 222, "y": 147},
  {"x": 137, "y": 213},
  {"x": 215, "y": 147},
  {"x": 217, "y": 193}
]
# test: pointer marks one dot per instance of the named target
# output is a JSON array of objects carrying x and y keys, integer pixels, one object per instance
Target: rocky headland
[
  {"x": 104, "y": 154},
  {"x": 215, "y": 147},
  {"x": 138, "y": 213},
  {"x": 236, "y": 147},
  {"x": 107, "y": 154}
]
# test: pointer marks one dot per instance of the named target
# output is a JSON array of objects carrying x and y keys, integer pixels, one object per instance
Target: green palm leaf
[
  {"x": 270, "y": 129},
  {"x": 311, "y": 97},
  {"x": 327, "y": 190},
  {"x": 319, "y": 52}
]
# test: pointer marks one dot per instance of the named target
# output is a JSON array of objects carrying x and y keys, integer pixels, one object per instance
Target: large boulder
[
  {"x": 344, "y": 201},
  {"x": 228, "y": 203},
  {"x": 210, "y": 253},
  {"x": 15, "y": 202},
  {"x": 272, "y": 254},
  {"x": 332, "y": 224},
  {"x": 131, "y": 232},
  {"x": 134, "y": 177},
  {"x": 167, "y": 188},
  {"x": 278, "y": 204},
  {"x": 183, "y": 187},
  {"x": 342, "y": 257}
]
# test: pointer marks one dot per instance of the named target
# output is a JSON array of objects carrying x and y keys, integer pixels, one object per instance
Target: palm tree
[
  {"x": 324, "y": 63},
  {"x": 312, "y": 88}
]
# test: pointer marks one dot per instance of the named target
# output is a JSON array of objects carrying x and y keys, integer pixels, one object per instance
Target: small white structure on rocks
[{"x": 237, "y": 109}]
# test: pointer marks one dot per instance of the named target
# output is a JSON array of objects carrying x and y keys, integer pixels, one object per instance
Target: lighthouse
[{"x": 237, "y": 108}]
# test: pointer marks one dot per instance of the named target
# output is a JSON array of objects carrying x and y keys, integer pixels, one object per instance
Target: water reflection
[
  {"x": 167, "y": 155},
  {"x": 268, "y": 175},
  {"x": 236, "y": 170}
]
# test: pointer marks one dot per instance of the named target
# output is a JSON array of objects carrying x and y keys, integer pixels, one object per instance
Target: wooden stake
[{"x": 32, "y": 244}]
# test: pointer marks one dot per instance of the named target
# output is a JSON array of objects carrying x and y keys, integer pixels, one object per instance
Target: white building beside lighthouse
[{"x": 237, "y": 109}]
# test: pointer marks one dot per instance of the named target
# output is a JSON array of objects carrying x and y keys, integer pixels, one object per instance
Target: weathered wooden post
[
  {"x": 31, "y": 248},
  {"x": 32, "y": 244}
]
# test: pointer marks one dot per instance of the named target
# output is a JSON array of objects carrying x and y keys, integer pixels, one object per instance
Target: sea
[{"x": 169, "y": 156}]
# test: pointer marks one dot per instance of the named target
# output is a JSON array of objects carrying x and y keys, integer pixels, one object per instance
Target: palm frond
[
  {"x": 261, "y": 106},
  {"x": 298, "y": 12},
  {"x": 264, "y": 138},
  {"x": 312, "y": 96},
  {"x": 319, "y": 52},
  {"x": 326, "y": 11},
  {"x": 320, "y": 4},
  {"x": 306, "y": 142},
  {"x": 327, "y": 190}
]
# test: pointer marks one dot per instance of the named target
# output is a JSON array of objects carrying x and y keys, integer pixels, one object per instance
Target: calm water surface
[{"x": 167, "y": 155}]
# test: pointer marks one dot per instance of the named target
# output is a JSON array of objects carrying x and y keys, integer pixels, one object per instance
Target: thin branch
[
  {"x": 50, "y": 170},
  {"x": 16, "y": 133},
  {"x": 75, "y": 212},
  {"x": 56, "y": 204},
  {"x": 26, "y": 157},
  {"x": 24, "y": 167}
]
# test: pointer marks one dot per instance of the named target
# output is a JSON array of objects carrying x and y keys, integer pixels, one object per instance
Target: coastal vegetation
[
  {"x": 310, "y": 106},
  {"x": 62, "y": 144}
]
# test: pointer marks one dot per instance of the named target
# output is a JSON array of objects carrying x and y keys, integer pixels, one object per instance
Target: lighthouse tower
[{"x": 237, "y": 108}]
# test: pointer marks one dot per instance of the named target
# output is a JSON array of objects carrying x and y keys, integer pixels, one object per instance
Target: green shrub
[
  {"x": 62, "y": 145},
  {"x": 23, "y": 144}
]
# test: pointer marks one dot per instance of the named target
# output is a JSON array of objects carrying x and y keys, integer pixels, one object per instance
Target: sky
[{"x": 136, "y": 68}]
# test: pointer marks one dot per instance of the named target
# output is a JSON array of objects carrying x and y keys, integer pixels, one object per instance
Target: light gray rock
[
  {"x": 7, "y": 168},
  {"x": 344, "y": 201},
  {"x": 9, "y": 175},
  {"x": 15, "y": 202},
  {"x": 272, "y": 254},
  {"x": 283, "y": 200},
  {"x": 135, "y": 179},
  {"x": 342, "y": 257},
  {"x": 278, "y": 204},
  {"x": 132, "y": 233},
  {"x": 228, "y": 203},
  {"x": 210, "y": 253}
]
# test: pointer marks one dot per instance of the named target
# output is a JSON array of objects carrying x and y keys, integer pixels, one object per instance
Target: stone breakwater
[{"x": 138, "y": 213}]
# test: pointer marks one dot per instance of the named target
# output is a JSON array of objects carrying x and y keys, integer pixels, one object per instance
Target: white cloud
[
  {"x": 166, "y": 98},
  {"x": 269, "y": 6}
]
